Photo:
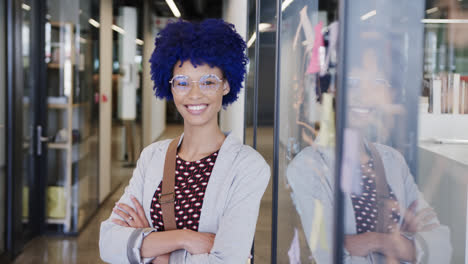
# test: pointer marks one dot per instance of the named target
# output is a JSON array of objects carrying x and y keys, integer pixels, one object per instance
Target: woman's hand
[
  {"x": 136, "y": 219},
  {"x": 198, "y": 243},
  {"x": 420, "y": 221}
]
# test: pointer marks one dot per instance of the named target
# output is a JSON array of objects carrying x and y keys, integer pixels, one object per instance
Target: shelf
[
  {"x": 65, "y": 106},
  {"x": 58, "y": 221},
  {"x": 57, "y": 145},
  {"x": 57, "y": 106},
  {"x": 53, "y": 65}
]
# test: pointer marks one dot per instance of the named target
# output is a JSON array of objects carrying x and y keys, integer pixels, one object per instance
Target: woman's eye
[
  {"x": 208, "y": 83},
  {"x": 182, "y": 83}
]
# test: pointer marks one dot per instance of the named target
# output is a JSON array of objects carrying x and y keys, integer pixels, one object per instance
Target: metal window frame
[{"x": 341, "y": 95}]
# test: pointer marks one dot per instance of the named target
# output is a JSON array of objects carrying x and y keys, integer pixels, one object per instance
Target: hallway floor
[{"x": 84, "y": 248}]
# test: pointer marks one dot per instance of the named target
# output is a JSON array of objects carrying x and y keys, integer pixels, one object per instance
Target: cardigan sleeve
[
  {"x": 236, "y": 230},
  {"x": 118, "y": 244},
  {"x": 431, "y": 246}
]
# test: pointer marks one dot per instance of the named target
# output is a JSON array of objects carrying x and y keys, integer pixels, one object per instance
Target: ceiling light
[
  {"x": 285, "y": 4},
  {"x": 432, "y": 10},
  {"x": 94, "y": 23},
  {"x": 369, "y": 15},
  {"x": 118, "y": 29},
  {"x": 139, "y": 42},
  {"x": 26, "y": 7},
  {"x": 251, "y": 40},
  {"x": 173, "y": 8},
  {"x": 262, "y": 27}
]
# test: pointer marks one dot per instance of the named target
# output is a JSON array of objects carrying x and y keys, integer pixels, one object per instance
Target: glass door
[
  {"x": 72, "y": 70},
  {"x": 28, "y": 122}
]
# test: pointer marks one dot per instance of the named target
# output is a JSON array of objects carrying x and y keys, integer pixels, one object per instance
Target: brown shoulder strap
[
  {"x": 382, "y": 189},
  {"x": 167, "y": 196}
]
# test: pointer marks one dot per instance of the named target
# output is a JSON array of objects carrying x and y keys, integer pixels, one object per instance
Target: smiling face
[{"x": 198, "y": 108}]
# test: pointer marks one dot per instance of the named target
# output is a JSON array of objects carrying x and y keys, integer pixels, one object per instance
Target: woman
[
  {"x": 218, "y": 181},
  {"x": 386, "y": 218}
]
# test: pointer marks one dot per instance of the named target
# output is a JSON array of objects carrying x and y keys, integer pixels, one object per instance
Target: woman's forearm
[
  {"x": 160, "y": 243},
  {"x": 361, "y": 244},
  {"x": 392, "y": 245},
  {"x": 397, "y": 246}
]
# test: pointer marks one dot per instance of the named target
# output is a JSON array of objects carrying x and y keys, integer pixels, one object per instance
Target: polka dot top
[
  {"x": 190, "y": 185},
  {"x": 365, "y": 204}
]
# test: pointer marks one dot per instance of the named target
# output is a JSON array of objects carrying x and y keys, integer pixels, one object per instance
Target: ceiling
[{"x": 192, "y": 10}]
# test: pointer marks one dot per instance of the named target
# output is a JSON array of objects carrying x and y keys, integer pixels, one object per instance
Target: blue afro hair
[{"x": 212, "y": 42}]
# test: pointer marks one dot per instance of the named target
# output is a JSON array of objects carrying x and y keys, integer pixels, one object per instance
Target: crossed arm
[{"x": 159, "y": 245}]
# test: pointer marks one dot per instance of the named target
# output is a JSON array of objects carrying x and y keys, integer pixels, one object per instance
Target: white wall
[
  {"x": 105, "y": 108},
  {"x": 128, "y": 80},
  {"x": 232, "y": 119},
  {"x": 154, "y": 110}
]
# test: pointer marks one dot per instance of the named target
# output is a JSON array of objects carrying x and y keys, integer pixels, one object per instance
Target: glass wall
[
  {"x": 2, "y": 128},
  {"x": 72, "y": 58},
  {"x": 308, "y": 60},
  {"x": 385, "y": 219},
  {"x": 373, "y": 144},
  {"x": 28, "y": 117},
  {"x": 260, "y": 107}
]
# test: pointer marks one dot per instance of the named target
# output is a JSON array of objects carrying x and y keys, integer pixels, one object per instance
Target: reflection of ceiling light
[
  {"x": 94, "y": 23},
  {"x": 251, "y": 40},
  {"x": 82, "y": 40},
  {"x": 445, "y": 21},
  {"x": 285, "y": 4},
  {"x": 369, "y": 15},
  {"x": 118, "y": 29},
  {"x": 262, "y": 27},
  {"x": 26, "y": 7},
  {"x": 432, "y": 10},
  {"x": 173, "y": 8},
  {"x": 139, "y": 42}
]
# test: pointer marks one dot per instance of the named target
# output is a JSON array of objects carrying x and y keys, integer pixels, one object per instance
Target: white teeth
[{"x": 196, "y": 107}]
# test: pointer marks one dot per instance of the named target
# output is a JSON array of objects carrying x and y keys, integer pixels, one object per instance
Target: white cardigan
[{"x": 230, "y": 206}]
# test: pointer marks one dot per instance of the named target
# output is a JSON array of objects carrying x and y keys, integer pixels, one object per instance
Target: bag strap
[
  {"x": 167, "y": 196},
  {"x": 382, "y": 189}
]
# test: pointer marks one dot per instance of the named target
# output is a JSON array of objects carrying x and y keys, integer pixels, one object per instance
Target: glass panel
[
  {"x": 308, "y": 62},
  {"x": 2, "y": 128},
  {"x": 386, "y": 217},
  {"x": 28, "y": 114},
  {"x": 126, "y": 91},
  {"x": 443, "y": 125},
  {"x": 265, "y": 62},
  {"x": 72, "y": 58}
]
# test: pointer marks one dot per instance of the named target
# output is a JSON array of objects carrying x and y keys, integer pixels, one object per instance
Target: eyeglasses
[{"x": 208, "y": 84}]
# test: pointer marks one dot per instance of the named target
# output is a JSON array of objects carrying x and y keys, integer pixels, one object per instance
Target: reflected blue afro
[{"x": 213, "y": 42}]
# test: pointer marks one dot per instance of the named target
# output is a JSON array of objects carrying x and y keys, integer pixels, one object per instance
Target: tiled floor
[{"x": 84, "y": 248}]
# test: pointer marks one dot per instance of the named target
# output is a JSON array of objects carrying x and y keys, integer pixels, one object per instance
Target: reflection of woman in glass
[
  {"x": 386, "y": 218},
  {"x": 218, "y": 181}
]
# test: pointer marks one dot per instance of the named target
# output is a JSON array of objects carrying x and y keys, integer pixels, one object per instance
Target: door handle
[{"x": 40, "y": 140}]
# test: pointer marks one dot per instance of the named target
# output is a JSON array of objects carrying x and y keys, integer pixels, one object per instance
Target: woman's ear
[{"x": 226, "y": 88}]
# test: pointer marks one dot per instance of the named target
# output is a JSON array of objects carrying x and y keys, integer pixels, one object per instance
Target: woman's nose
[{"x": 195, "y": 91}]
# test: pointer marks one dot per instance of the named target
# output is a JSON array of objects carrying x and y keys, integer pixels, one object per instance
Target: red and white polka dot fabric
[
  {"x": 365, "y": 204},
  {"x": 191, "y": 180}
]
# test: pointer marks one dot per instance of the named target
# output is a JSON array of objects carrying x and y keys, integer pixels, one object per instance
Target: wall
[
  {"x": 154, "y": 110},
  {"x": 105, "y": 108},
  {"x": 232, "y": 119}
]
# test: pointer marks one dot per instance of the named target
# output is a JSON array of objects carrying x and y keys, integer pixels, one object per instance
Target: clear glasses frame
[{"x": 208, "y": 84}]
